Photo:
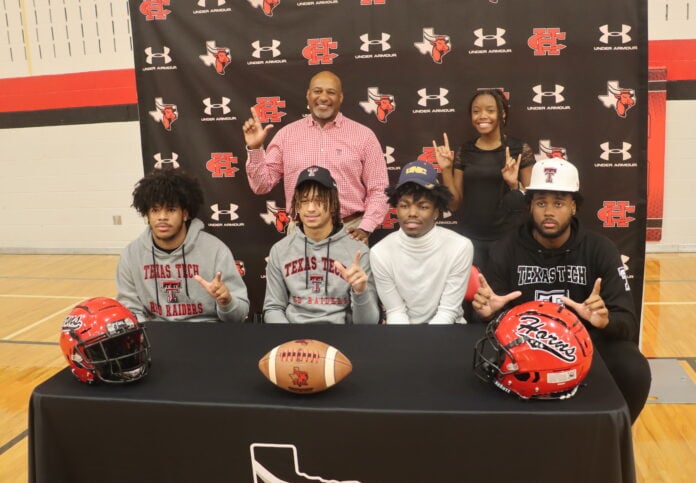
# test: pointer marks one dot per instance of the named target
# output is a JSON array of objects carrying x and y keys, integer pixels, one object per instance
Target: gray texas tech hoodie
[{"x": 302, "y": 285}]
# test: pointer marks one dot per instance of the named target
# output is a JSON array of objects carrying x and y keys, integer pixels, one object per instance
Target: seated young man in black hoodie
[
  {"x": 318, "y": 273},
  {"x": 552, "y": 257}
]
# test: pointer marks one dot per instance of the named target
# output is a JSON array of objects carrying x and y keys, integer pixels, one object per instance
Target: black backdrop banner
[{"x": 575, "y": 74}]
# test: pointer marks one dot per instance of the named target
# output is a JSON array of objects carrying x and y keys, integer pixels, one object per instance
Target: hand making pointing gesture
[
  {"x": 592, "y": 309},
  {"x": 216, "y": 288},
  {"x": 354, "y": 275},
  {"x": 254, "y": 132}
]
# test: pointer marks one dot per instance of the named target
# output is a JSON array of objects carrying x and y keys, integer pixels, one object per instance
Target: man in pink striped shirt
[{"x": 326, "y": 138}]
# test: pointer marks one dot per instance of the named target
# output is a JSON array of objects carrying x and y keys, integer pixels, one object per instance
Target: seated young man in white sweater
[{"x": 422, "y": 270}]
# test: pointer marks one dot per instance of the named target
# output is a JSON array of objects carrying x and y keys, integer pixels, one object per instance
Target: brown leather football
[{"x": 305, "y": 366}]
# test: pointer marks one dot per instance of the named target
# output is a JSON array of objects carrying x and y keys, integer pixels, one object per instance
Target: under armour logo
[
  {"x": 367, "y": 42},
  {"x": 258, "y": 48},
  {"x": 623, "y": 33},
  {"x": 556, "y": 93},
  {"x": 161, "y": 162},
  {"x": 607, "y": 151},
  {"x": 217, "y": 212},
  {"x": 425, "y": 97},
  {"x": 481, "y": 38},
  {"x": 202, "y": 3},
  {"x": 388, "y": 151},
  {"x": 164, "y": 55},
  {"x": 223, "y": 105},
  {"x": 312, "y": 171}
]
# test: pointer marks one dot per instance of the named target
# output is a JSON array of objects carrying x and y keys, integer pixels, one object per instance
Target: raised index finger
[
  {"x": 444, "y": 135},
  {"x": 356, "y": 260},
  {"x": 597, "y": 287},
  {"x": 255, "y": 115}
]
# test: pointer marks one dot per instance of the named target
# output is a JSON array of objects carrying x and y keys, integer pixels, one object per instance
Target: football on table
[{"x": 305, "y": 366}]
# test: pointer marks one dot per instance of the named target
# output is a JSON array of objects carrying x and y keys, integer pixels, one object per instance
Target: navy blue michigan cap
[
  {"x": 318, "y": 175},
  {"x": 419, "y": 172}
]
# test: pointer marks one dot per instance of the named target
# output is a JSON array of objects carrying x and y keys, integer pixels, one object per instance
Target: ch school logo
[
  {"x": 544, "y": 41},
  {"x": 319, "y": 51}
]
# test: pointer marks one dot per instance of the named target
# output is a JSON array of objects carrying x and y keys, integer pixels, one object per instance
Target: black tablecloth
[{"x": 411, "y": 411}]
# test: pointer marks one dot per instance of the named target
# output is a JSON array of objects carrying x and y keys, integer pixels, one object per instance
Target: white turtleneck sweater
[{"x": 422, "y": 280}]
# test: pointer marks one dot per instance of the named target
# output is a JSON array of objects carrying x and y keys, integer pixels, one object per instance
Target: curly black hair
[
  {"x": 168, "y": 187},
  {"x": 326, "y": 196},
  {"x": 439, "y": 195}
]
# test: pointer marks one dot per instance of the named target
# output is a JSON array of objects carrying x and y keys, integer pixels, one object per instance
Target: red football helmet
[
  {"x": 103, "y": 341},
  {"x": 535, "y": 350}
]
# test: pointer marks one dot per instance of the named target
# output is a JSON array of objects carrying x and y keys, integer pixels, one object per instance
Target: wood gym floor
[{"x": 36, "y": 291}]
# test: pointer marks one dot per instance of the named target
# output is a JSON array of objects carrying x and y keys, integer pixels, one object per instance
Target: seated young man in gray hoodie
[
  {"x": 318, "y": 273},
  {"x": 175, "y": 270}
]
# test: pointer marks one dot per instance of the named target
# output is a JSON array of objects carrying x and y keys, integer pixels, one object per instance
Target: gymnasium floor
[{"x": 36, "y": 291}]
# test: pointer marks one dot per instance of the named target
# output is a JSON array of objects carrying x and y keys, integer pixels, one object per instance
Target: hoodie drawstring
[
  {"x": 183, "y": 256},
  {"x": 154, "y": 265},
  {"x": 326, "y": 273},
  {"x": 306, "y": 272}
]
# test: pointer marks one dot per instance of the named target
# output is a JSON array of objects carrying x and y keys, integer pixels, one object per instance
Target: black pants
[{"x": 628, "y": 367}]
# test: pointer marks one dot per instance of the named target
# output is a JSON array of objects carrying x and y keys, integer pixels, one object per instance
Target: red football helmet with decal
[
  {"x": 535, "y": 350},
  {"x": 103, "y": 341}
]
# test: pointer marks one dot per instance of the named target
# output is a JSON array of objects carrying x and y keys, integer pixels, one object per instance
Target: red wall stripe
[
  {"x": 678, "y": 56},
  {"x": 84, "y": 89}
]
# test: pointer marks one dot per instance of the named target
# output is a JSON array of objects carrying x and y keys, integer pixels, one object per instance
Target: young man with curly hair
[
  {"x": 175, "y": 270},
  {"x": 421, "y": 270}
]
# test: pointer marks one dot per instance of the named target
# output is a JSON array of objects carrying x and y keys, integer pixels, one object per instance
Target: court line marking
[
  {"x": 14, "y": 441},
  {"x": 38, "y": 322},
  {"x": 669, "y": 303}
]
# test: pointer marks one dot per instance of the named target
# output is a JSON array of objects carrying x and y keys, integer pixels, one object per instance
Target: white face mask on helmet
[{"x": 554, "y": 174}]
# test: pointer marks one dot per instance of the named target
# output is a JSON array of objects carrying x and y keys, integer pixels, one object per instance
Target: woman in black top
[{"x": 488, "y": 175}]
